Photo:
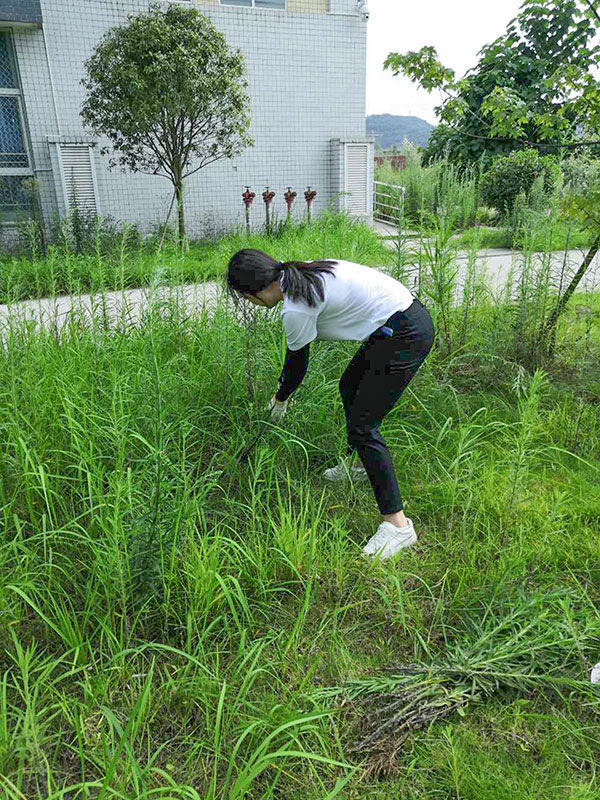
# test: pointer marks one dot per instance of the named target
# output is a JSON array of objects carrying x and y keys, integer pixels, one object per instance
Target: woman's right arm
[{"x": 294, "y": 370}]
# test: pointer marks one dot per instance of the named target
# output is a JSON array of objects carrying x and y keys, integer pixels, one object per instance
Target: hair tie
[{"x": 281, "y": 265}]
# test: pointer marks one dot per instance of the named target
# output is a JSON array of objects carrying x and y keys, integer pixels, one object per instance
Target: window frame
[
  {"x": 18, "y": 94},
  {"x": 253, "y": 7}
]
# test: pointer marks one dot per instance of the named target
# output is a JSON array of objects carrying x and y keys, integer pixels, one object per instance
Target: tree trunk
[
  {"x": 166, "y": 225},
  {"x": 180, "y": 213},
  {"x": 548, "y": 328}
]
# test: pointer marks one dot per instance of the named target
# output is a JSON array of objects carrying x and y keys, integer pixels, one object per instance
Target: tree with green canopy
[
  {"x": 533, "y": 86},
  {"x": 169, "y": 94}
]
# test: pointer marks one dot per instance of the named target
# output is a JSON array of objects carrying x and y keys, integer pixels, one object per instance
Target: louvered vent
[
  {"x": 357, "y": 181},
  {"x": 79, "y": 177}
]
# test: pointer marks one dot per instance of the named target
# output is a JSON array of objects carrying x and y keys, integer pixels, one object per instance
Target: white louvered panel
[
  {"x": 357, "y": 177},
  {"x": 78, "y": 175}
]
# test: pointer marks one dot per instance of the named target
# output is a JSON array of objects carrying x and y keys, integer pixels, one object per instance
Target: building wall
[{"x": 306, "y": 73}]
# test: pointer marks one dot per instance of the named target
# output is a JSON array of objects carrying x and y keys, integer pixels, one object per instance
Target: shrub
[{"x": 512, "y": 175}]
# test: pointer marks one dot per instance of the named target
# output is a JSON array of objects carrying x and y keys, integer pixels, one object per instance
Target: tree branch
[
  {"x": 592, "y": 8},
  {"x": 556, "y": 145},
  {"x": 562, "y": 301},
  {"x": 506, "y": 139},
  {"x": 205, "y": 164},
  {"x": 162, "y": 156}
]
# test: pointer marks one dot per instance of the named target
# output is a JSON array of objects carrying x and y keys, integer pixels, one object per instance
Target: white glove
[{"x": 277, "y": 409}]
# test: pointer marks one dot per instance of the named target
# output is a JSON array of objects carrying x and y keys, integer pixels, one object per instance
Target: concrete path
[
  {"x": 498, "y": 263},
  {"x": 121, "y": 308}
]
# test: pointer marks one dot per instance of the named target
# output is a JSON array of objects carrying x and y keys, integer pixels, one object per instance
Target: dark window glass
[
  {"x": 7, "y": 73},
  {"x": 12, "y": 149},
  {"x": 13, "y": 196},
  {"x": 236, "y": 2}
]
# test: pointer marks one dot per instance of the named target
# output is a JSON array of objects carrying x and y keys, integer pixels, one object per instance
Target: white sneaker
[
  {"x": 343, "y": 472},
  {"x": 389, "y": 539}
]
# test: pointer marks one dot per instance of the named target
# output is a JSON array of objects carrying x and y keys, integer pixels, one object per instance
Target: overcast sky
[{"x": 458, "y": 30}]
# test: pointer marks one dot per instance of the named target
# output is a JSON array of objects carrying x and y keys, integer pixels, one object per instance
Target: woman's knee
[{"x": 360, "y": 434}]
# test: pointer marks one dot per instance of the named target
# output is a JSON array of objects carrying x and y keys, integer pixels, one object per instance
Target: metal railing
[{"x": 388, "y": 202}]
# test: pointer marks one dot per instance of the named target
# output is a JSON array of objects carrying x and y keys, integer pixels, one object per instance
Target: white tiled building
[{"x": 306, "y": 70}]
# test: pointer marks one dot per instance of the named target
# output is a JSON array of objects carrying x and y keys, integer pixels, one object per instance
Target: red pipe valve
[
  {"x": 248, "y": 197},
  {"x": 310, "y": 195},
  {"x": 268, "y": 196},
  {"x": 289, "y": 198}
]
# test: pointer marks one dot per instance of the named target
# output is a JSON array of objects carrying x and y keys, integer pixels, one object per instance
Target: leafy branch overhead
[
  {"x": 532, "y": 86},
  {"x": 169, "y": 94}
]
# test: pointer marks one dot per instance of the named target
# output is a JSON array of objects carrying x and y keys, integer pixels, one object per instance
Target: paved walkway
[
  {"x": 124, "y": 308},
  {"x": 498, "y": 263}
]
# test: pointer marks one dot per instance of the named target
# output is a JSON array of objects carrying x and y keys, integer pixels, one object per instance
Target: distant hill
[{"x": 393, "y": 130}]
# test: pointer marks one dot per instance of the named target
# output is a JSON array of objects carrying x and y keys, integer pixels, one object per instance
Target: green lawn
[{"x": 561, "y": 237}]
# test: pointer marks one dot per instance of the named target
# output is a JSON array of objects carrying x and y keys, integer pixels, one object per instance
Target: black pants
[{"x": 370, "y": 387}]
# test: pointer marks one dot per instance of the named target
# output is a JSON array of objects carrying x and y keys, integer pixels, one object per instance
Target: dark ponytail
[
  {"x": 302, "y": 280},
  {"x": 250, "y": 271}
]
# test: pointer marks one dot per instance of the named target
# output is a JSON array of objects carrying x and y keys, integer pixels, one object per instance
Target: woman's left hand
[{"x": 277, "y": 409}]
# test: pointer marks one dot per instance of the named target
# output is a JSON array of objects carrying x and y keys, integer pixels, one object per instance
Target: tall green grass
[
  {"x": 442, "y": 190},
  {"x": 132, "y": 261},
  {"x": 176, "y": 622}
]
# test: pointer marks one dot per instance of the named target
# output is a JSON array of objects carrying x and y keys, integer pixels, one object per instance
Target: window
[
  {"x": 276, "y": 4},
  {"x": 14, "y": 160}
]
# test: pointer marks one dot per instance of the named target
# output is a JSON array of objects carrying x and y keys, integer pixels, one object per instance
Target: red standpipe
[
  {"x": 289, "y": 199},
  {"x": 248, "y": 197},
  {"x": 309, "y": 196},
  {"x": 268, "y": 197}
]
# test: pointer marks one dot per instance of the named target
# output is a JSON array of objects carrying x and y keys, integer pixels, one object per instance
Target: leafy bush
[{"x": 511, "y": 175}]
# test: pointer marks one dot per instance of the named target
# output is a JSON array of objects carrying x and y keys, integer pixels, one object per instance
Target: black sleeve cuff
[{"x": 294, "y": 370}]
